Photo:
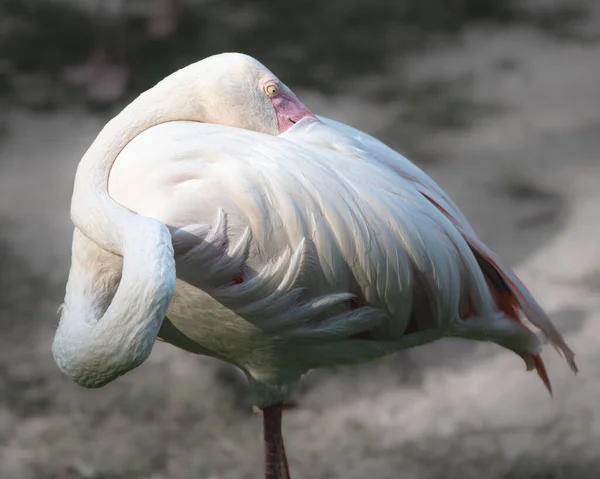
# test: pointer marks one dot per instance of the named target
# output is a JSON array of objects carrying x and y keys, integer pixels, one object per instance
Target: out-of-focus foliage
[
  {"x": 38, "y": 35},
  {"x": 337, "y": 38},
  {"x": 357, "y": 36}
]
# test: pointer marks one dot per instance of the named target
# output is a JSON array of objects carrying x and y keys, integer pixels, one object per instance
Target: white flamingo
[{"x": 298, "y": 243}]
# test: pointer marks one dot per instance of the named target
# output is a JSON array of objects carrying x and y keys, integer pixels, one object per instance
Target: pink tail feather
[
  {"x": 510, "y": 294},
  {"x": 508, "y": 304}
]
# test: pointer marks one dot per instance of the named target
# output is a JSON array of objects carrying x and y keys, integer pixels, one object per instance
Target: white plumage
[{"x": 295, "y": 247}]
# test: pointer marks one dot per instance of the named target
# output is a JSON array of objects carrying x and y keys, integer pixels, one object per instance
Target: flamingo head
[
  {"x": 231, "y": 89},
  {"x": 288, "y": 108}
]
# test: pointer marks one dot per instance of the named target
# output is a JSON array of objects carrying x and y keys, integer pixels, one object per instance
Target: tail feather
[
  {"x": 511, "y": 296},
  {"x": 520, "y": 299},
  {"x": 508, "y": 304},
  {"x": 542, "y": 373}
]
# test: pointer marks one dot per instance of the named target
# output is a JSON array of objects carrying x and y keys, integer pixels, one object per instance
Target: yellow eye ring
[{"x": 271, "y": 89}]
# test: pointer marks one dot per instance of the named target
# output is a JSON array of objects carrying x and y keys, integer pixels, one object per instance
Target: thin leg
[{"x": 276, "y": 466}]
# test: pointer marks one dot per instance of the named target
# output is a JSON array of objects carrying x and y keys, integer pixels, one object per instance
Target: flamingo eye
[{"x": 271, "y": 89}]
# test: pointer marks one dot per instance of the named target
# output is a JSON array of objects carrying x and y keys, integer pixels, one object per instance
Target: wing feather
[
  {"x": 510, "y": 295},
  {"x": 318, "y": 218}
]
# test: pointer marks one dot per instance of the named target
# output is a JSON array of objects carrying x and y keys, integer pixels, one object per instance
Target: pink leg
[{"x": 276, "y": 466}]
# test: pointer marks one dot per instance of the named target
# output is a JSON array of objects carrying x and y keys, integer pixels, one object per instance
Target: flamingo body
[
  {"x": 306, "y": 222},
  {"x": 277, "y": 241}
]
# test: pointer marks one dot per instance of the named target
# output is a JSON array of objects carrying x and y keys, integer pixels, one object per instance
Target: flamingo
[{"x": 219, "y": 214}]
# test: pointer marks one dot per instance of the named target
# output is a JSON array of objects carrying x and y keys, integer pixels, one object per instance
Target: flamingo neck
[
  {"x": 93, "y": 344},
  {"x": 111, "y": 316}
]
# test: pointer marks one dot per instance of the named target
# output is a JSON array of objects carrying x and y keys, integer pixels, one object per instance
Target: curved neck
[
  {"x": 111, "y": 316},
  {"x": 108, "y": 326},
  {"x": 92, "y": 210}
]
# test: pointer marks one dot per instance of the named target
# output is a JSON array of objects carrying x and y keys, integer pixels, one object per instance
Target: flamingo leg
[{"x": 276, "y": 466}]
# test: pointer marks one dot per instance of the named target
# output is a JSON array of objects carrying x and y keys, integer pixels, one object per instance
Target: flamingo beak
[{"x": 289, "y": 110}]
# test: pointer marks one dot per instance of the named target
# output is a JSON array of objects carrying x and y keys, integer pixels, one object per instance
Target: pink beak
[{"x": 289, "y": 111}]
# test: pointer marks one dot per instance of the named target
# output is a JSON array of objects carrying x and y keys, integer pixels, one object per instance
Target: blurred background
[{"x": 498, "y": 100}]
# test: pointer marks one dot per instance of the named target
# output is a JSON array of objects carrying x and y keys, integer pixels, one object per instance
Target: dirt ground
[{"x": 507, "y": 120}]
